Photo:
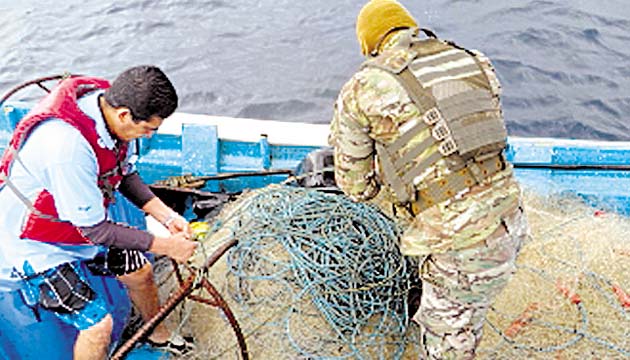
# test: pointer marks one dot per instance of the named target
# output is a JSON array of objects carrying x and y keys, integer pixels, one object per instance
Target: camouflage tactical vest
[{"x": 459, "y": 106}]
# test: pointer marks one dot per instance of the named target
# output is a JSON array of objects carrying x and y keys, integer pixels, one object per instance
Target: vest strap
[
  {"x": 29, "y": 205},
  {"x": 407, "y": 136},
  {"x": 413, "y": 153},
  {"x": 430, "y": 118},
  {"x": 420, "y": 167},
  {"x": 420, "y": 96},
  {"x": 403, "y": 194},
  {"x": 439, "y": 190}
]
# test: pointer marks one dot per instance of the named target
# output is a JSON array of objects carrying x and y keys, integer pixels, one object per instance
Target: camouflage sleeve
[{"x": 354, "y": 148}]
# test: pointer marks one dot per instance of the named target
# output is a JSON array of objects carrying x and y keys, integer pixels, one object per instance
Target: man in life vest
[
  {"x": 66, "y": 158},
  {"x": 419, "y": 130}
]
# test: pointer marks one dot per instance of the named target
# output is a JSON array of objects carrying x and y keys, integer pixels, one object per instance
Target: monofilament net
[{"x": 317, "y": 276}]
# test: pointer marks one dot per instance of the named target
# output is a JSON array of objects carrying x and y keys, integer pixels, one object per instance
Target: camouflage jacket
[{"x": 371, "y": 106}]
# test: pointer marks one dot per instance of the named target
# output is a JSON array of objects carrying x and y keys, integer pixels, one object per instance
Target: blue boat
[{"x": 204, "y": 145}]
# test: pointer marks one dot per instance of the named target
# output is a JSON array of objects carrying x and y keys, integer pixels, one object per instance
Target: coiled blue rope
[{"x": 341, "y": 256}]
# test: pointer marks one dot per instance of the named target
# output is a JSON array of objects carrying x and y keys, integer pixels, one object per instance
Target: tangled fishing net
[
  {"x": 568, "y": 299},
  {"x": 314, "y": 275},
  {"x": 317, "y": 276}
]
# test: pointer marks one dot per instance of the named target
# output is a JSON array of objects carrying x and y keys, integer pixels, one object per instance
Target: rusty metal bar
[
  {"x": 178, "y": 274},
  {"x": 229, "y": 314},
  {"x": 218, "y": 253},
  {"x": 166, "y": 309},
  {"x": 181, "y": 182},
  {"x": 201, "y": 299},
  {"x": 185, "y": 291}
]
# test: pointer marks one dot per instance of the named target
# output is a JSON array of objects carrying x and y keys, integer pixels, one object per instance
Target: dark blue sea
[{"x": 564, "y": 65}]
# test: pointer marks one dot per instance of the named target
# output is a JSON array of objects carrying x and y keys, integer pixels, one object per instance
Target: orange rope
[
  {"x": 622, "y": 296},
  {"x": 568, "y": 293},
  {"x": 519, "y": 323},
  {"x": 560, "y": 355}
]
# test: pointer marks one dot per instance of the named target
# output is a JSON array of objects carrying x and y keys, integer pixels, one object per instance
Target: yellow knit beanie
[{"x": 377, "y": 18}]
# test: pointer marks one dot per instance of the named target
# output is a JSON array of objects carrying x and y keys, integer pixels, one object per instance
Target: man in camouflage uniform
[{"x": 419, "y": 130}]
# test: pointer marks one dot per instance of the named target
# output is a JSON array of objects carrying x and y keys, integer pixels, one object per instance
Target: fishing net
[
  {"x": 316, "y": 276},
  {"x": 567, "y": 299}
]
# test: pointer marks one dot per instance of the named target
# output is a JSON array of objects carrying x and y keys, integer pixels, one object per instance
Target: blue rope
[{"x": 341, "y": 256}]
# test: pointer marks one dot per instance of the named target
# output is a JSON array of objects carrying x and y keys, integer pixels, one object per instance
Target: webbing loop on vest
[{"x": 403, "y": 193}]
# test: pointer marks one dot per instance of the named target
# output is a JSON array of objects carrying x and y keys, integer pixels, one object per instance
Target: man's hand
[
  {"x": 171, "y": 220},
  {"x": 177, "y": 246},
  {"x": 176, "y": 224}
]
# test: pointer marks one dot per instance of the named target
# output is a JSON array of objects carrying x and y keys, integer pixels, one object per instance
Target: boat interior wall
[
  {"x": 250, "y": 130},
  {"x": 597, "y": 171}
]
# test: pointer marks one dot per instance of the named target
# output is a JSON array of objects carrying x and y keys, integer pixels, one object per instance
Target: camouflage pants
[{"x": 459, "y": 286}]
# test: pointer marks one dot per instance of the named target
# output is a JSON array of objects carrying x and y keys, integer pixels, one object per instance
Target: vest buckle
[
  {"x": 447, "y": 147},
  {"x": 432, "y": 116},
  {"x": 440, "y": 131},
  {"x": 475, "y": 171}
]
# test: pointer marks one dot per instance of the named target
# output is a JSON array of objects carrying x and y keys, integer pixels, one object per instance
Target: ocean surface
[{"x": 564, "y": 65}]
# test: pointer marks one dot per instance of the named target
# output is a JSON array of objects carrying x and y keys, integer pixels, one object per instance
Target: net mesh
[{"x": 317, "y": 276}]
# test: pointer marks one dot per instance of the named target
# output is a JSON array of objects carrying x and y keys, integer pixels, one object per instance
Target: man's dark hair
[{"x": 145, "y": 90}]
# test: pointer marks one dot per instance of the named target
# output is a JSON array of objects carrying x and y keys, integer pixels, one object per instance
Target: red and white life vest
[{"x": 61, "y": 103}]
